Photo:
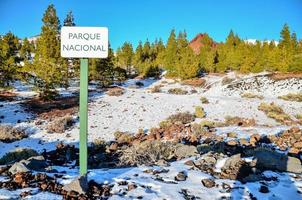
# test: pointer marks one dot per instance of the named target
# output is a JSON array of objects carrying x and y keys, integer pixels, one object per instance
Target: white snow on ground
[
  {"x": 139, "y": 108},
  {"x": 151, "y": 188}
]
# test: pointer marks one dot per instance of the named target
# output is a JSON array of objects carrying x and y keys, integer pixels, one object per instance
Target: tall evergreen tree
[
  {"x": 171, "y": 55},
  {"x": 48, "y": 65},
  {"x": 8, "y": 58},
  {"x": 125, "y": 56}
]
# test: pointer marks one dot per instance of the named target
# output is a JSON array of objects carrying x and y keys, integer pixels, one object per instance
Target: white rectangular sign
[{"x": 84, "y": 42}]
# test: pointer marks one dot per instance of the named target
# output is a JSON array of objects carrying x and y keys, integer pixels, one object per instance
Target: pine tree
[
  {"x": 171, "y": 55},
  {"x": 69, "y": 20},
  {"x": 26, "y": 50},
  {"x": 48, "y": 65},
  {"x": 102, "y": 70},
  {"x": 285, "y": 41},
  {"x": 125, "y": 57},
  {"x": 8, "y": 59},
  {"x": 72, "y": 64}
]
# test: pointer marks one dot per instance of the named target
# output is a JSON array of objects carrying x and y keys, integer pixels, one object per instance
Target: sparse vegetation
[
  {"x": 17, "y": 155},
  {"x": 177, "y": 91},
  {"x": 251, "y": 95},
  {"x": 147, "y": 153},
  {"x": 197, "y": 82},
  {"x": 183, "y": 118},
  {"x": 204, "y": 100},
  {"x": 199, "y": 112},
  {"x": 299, "y": 118},
  {"x": 226, "y": 80},
  {"x": 274, "y": 111},
  {"x": 156, "y": 89},
  {"x": 116, "y": 91},
  {"x": 210, "y": 124},
  {"x": 9, "y": 133},
  {"x": 60, "y": 125},
  {"x": 123, "y": 137},
  {"x": 292, "y": 97},
  {"x": 239, "y": 121}
]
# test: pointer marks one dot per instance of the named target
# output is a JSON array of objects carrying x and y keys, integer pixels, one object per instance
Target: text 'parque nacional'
[{"x": 84, "y": 42}]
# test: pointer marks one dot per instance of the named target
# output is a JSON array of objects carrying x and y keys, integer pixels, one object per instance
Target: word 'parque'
[{"x": 85, "y": 47}]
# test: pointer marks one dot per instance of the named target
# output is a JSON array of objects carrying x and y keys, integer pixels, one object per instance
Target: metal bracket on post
[{"x": 83, "y": 115}]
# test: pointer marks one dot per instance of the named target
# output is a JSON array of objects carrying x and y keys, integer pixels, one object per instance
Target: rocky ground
[{"x": 218, "y": 137}]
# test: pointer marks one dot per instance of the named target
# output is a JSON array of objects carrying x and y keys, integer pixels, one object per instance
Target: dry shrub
[
  {"x": 156, "y": 89},
  {"x": 9, "y": 133},
  {"x": 226, "y": 80},
  {"x": 210, "y": 124},
  {"x": 60, "y": 125},
  {"x": 239, "y": 121},
  {"x": 199, "y": 112},
  {"x": 147, "y": 153},
  {"x": 183, "y": 118},
  {"x": 204, "y": 100},
  {"x": 123, "y": 137},
  {"x": 198, "y": 82},
  {"x": 17, "y": 155},
  {"x": 116, "y": 91},
  {"x": 299, "y": 118},
  {"x": 274, "y": 111},
  {"x": 282, "y": 76},
  {"x": 251, "y": 95},
  {"x": 177, "y": 91},
  {"x": 292, "y": 97}
]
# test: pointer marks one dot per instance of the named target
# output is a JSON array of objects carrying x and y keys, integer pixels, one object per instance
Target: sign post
[
  {"x": 84, "y": 43},
  {"x": 83, "y": 114}
]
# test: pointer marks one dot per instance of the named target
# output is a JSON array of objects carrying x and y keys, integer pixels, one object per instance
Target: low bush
[
  {"x": 292, "y": 97},
  {"x": 211, "y": 124},
  {"x": 275, "y": 112},
  {"x": 227, "y": 80},
  {"x": 183, "y": 118},
  {"x": 199, "y": 112},
  {"x": 198, "y": 82},
  {"x": 147, "y": 153},
  {"x": 123, "y": 137},
  {"x": 17, "y": 155},
  {"x": 9, "y": 133},
  {"x": 177, "y": 91},
  {"x": 116, "y": 91},
  {"x": 61, "y": 124},
  {"x": 156, "y": 89},
  {"x": 204, "y": 100},
  {"x": 239, "y": 121},
  {"x": 251, "y": 95}
]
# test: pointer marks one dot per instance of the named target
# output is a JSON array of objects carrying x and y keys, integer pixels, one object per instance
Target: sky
[{"x": 135, "y": 20}]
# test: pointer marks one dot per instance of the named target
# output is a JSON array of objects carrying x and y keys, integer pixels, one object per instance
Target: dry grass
[
  {"x": 239, "y": 121},
  {"x": 156, "y": 89},
  {"x": 283, "y": 76},
  {"x": 183, "y": 118},
  {"x": 123, "y": 137},
  {"x": 147, "y": 153},
  {"x": 199, "y": 112},
  {"x": 194, "y": 82},
  {"x": 115, "y": 91},
  {"x": 292, "y": 97},
  {"x": 226, "y": 80},
  {"x": 17, "y": 155},
  {"x": 60, "y": 125},
  {"x": 274, "y": 111},
  {"x": 9, "y": 133},
  {"x": 204, "y": 100},
  {"x": 177, "y": 91},
  {"x": 299, "y": 118},
  {"x": 251, "y": 95}
]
